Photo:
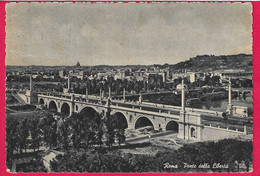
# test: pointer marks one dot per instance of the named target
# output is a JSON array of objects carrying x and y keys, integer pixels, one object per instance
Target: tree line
[
  {"x": 234, "y": 155},
  {"x": 89, "y": 142},
  {"x": 62, "y": 133}
]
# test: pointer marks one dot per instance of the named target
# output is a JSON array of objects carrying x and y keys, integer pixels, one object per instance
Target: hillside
[
  {"x": 198, "y": 63},
  {"x": 212, "y": 63}
]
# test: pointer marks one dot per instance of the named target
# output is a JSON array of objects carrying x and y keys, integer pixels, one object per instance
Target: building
[
  {"x": 78, "y": 64},
  {"x": 192, "y": 77},
  {"x": 81, "y": 75},
  {"x": 179, "y": 86},
  {"x": 61, "y": 74}
]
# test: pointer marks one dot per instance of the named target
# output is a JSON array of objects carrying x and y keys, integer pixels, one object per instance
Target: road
[{"x": 142, "y": 138}]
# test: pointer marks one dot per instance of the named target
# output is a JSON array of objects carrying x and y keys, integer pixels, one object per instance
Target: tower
[{"x": 29, "y": 93}]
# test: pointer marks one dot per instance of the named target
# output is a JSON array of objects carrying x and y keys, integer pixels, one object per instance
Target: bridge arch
[
  {"x": 143, "y": 121},
  {"x": 245, "y": 92},
  {"x": 65, "y": 109},
  {"x": 219, "y": 90},
  {"x": 121, "y": 120},
  {"x": 53, "y": 106},
  {"x": 41, "y": 101},
  {"x": 88, "y": 112},
  {"x": 172, "y": 126}
]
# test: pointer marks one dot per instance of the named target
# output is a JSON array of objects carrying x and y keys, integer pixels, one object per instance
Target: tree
[
  {"x": 120, "y": 135},
  {"x": 35, "y": 133},
  {"x": 224, "y": 151},
  {"x": 98, "y": 129},
  {"x": 63, "y": 134},
  {"x": 11, "y": 136},
  {"x": 109, "y": 129},
  {"x": 23, "y": 131},
  {"x": 48, "y": 127},
  {"x": 75, "y": 122},
  {"x": 86, "y": 129}
]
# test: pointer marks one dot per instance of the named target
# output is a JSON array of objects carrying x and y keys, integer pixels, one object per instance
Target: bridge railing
[
  {"x": 170, "y": 108},
  {"x": 154, "y": 107},
  {"x": 153, "y": 113},
  {"x": 204, "y": 111},
  {"x": 52, "y": 95},
  {"x": 242, "y": 130}
]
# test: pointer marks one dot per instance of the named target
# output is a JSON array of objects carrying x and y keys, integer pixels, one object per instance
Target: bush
[{"x": 227, "y": 151}]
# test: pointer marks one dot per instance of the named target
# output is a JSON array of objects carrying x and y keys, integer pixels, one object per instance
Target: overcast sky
[{"x": 124, "y": 33}]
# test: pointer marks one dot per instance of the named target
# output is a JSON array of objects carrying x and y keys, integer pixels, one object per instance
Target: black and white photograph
[{"x": 129, "y": 87}]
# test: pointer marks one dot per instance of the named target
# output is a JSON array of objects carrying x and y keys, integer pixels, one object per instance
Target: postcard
[{"x": 129, "y": 87}]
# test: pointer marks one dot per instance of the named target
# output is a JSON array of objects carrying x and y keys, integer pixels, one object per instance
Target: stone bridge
[
  {"x": 243, "y": 91},
  {"x": 187, "y": 122},
  {"x": 134, "y": 114}
]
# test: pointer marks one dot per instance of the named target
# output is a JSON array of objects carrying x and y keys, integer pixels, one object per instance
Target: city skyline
[
  {"x": 124, "y": 34},
  {"x": 107, "y": 65}
]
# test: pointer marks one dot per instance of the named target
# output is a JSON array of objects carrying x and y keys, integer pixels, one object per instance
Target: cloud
[{"x": 124, "y": 33}]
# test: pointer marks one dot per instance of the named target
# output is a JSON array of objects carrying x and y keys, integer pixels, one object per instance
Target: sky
[{"x": 124, "y": 33}]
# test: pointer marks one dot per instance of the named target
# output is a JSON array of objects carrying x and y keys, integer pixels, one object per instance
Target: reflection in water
[
  {"x": 216, "y": 105},
  {"x": 221, "y": 105}
]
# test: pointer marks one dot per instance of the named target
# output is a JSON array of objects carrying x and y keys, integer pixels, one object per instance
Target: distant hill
[
  {"x": 196, "y": 64},
  {"x": 212, "y": 63}
]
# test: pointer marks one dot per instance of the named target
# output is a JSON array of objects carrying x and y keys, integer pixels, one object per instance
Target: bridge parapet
[
  {"x": 144, "y": 112},
  {"x": 170, "y": 108},
  {"x": 236, "y": 130},
  {"x": 209, "y": 132},
  {"x": 54, "y": 97},
  {"x": 131, "y": 104},
  {"x": 189, "y": 121}
]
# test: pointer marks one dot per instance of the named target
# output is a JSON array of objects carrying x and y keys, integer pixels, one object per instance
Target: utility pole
[
  {"x": 140, "y": 99},
  {"x": 68, "y": 83},
  {"x": 124, "y": 94},
  {"x": 182, "y": 95},
  {"x": 229, "y": 106},
  {"x": 30, "y": 82},
  {"x": 229, "y": 93},
  {"x": 109, "y": 92},
  {"x": 86, "y": 92},
  {"x": 100, "y": 95}
]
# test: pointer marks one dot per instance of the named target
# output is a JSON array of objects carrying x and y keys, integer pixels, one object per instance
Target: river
[
  {"x": 221, "y": 105},
  {"x": 215, "y": 105}
]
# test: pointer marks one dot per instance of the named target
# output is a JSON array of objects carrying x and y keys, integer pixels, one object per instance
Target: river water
[
  {"x": 214, "y": 105},
  {"x": 221, "y": 105}
]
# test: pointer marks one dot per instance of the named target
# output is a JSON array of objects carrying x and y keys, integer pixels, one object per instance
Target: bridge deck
[{"x": 144, "y": 106}]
